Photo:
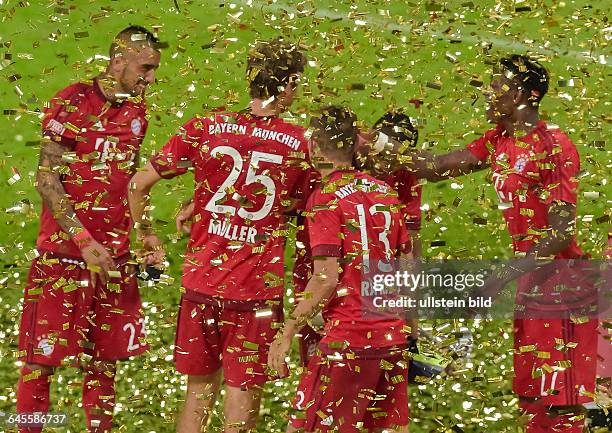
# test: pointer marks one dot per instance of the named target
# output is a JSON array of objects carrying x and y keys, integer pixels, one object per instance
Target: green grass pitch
[{"x": 370, "y": 54}]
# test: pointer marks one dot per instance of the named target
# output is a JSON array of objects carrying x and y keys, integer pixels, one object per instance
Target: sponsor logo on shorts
[
  {"x": 45, "y": 345},
  {"x": 56, "y": 127},
  {"x": 136, "y": 126},
  {"x": 328, "y": 421},
  {"x": 312, "y": 349}
]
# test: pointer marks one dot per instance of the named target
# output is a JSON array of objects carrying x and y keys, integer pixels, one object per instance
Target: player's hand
[
  {"x": 364, "y": 142},
  {"x": 183, "y": 218},
  {"x": 493, "y": 285},
  {"x": 279, "y": 350},
  {"x": 152, "y": 251},
  {"x": 317, "y": 323},
  {"x": 98, "y": 260}
]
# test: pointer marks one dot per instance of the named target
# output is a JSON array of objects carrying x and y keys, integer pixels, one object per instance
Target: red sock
[
  {"x": 32, "y": 394},
  {"x": 541, "y": 420},
  {"x": 99, "y": 400}
]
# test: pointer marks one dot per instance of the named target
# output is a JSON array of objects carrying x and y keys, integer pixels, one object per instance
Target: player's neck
[
  {"x": 262, "y": 108},
  {"x": 522, "y": 123},
  {"x": 328, "y": 169},
  {"x": 108, "y": 86}
]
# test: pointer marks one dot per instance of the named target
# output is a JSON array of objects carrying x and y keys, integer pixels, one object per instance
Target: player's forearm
[
  {"x": 49, "y": 185},
  {"x": 559, "y": 236},
  {"x": 417, "y": 247},
  {"x": 138, "y": 197},
  {"x": 561, "y": 232},
  {"x": 315, "y": 297},
  {"x": 436, "y": 168},
  {"x": 139, "y": 201},
  {"x": 53, "y": 194}
]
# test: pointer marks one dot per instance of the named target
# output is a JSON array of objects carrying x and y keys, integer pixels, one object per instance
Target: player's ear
[
  {"x": 117, "y": 63},
  {"x": 519, "y": 96}
]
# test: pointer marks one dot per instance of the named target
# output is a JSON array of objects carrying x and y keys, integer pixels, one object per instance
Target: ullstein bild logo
[{"x": 463, "y": 289}]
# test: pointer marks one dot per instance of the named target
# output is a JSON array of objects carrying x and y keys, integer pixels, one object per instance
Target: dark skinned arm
[
  {"x": 561, "y": 219},
  {"x": 436, "y": 168}
]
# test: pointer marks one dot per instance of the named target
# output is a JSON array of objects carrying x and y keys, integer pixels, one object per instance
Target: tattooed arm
[{"x": 50, "y": 188}]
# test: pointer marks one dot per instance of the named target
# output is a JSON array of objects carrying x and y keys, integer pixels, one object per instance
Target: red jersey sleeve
[
  {"x": 176, "y": 157},
  {"x": 559, "y": 169},
  {"x": 308, "y": 178},
  {"x": 404, "y": 240},
  {"x": 482, "y": 147},
  {"x": 306, "y": 184},
  {"x": 412, "y": 209},
  {"x": 65, "y": 114},
  {"x": 324, "y": 224}
]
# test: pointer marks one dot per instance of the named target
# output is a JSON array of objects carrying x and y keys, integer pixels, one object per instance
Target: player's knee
[
  {"x": 242, "y": 405},
  {"x": 203, "y": 387}
]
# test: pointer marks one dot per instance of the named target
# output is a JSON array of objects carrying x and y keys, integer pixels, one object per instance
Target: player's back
[
  {"x": 247, "y": 171},
  {"x": 357, "y": 218}
]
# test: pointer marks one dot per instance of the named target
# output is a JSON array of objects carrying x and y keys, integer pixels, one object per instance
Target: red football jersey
[
  {"x": 247, "y": 170},
  {"x": 409, "y": 193},
  {"x": 530, "y": 173},
  {"x": 356, "y": 217},
  {"x": 102, "y": 140}
]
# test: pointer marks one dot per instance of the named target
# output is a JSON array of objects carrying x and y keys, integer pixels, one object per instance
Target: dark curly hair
[
  {"x": 527, "y": 74},
  {"x": 398, "y": 126}
]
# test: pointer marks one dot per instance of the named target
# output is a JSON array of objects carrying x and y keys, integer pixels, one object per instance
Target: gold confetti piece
[
  {"x": 35, "y": 374},
  {"x": 114, "y": 274},
  {"x": 397, "y": 379},
  {"x": 386, "y": 365},
  {"x": 564, "y": 364},
  {"x": 264, "y": 313},
  {"x": 249, "y": 358},
  {"x": 70, "y": 287},
  {"x": 250, "y": 345}
]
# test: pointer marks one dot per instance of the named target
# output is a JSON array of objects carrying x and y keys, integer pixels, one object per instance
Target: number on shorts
[
  {"x": 300, "y": 399},
  {"x": 553, "y": 382},
  {"x": 132, "y": 343}
]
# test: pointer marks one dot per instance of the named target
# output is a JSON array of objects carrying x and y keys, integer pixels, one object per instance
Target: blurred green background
[{"x": 372, "y": 55}]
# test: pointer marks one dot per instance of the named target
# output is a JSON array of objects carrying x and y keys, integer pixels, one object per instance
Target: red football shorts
[
  {"x": 63, "y": 316},
  {"x": 555, "y": 360},
  {"x": 348, "y": 395},
  {"x": 234, "y": 336},
  {"x": 308, "y": 342}
]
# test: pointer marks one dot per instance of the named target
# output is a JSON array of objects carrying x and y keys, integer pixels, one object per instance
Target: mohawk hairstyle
[
  {"x": 398, "y": 126},
  {"x": 271, "y": 66},
  {"x": 335, "y": 131},
  {"x": 528, "y": 74},
  {"x": 133, "y": 34}
]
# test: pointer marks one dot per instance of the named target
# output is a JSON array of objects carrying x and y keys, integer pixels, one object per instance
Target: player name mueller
[
  {"x": 264, "y": 134},
  {"x": 232, "y": 232}
]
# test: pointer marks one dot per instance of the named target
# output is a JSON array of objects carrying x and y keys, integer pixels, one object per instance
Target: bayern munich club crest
[
  {"x": 45, "y": 345},
  {"x": 520, "y": 163},
  {"x": 136, "y": 126}
]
